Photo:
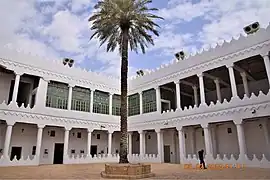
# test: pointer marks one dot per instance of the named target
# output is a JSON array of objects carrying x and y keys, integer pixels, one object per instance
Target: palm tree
[{"x": 124, "y": 24}]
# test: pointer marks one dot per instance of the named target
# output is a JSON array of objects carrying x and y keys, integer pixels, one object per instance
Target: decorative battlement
[
  {"x": 224, "y": 51},
  {"x": 32, "y": 64}
]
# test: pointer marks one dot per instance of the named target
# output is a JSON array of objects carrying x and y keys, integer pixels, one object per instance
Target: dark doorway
[
  {"x": 93, "y": 150},
  {"x": 58, "y": 153},
  {"x": 167, "y": 154},
  {"x": 23, "y": 93},
  {"x": 16, "y": 151}
]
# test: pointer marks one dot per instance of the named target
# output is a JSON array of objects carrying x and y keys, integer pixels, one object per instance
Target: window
[
  {"x": 82, "y": 151},
  {"x": 57, "y": 95},
  {"x": 72, "y": 151},
  {"x": 229, "y": 130},
  {"x": 101, "y": 102},
  {"x": 81, "y": 98},
  {"x": 134, "y": 104},
  {"x": 149, "y": 101},
  {"x": 34, "y": 150},
  {"x": 52, "y": 133},
  {"x": 202, "y": 133},
  {"x": 116, "y": 104},
  {"x": 79, "y": 135},
  {"x": 98, "y": 136}
]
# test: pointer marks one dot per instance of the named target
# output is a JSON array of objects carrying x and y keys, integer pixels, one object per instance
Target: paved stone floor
[{"x": 162, "y": 171}]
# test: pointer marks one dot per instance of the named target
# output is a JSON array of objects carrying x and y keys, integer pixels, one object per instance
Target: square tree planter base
[{"x": 127, "y": 171}]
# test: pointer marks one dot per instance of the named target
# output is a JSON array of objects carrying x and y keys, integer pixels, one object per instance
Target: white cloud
[
  {"x": 222, "y": 20},
  {"x": 60, "y": 28}
]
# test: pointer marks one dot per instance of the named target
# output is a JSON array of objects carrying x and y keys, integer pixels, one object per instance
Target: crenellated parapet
[
  {"x": 28, "y": 63},
  {"x": 221, "y": 54},
  {"x": 56, "y": 117}
]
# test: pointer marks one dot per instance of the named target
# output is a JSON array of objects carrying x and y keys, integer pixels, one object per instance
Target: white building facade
[{"x": 217, "y": 100}]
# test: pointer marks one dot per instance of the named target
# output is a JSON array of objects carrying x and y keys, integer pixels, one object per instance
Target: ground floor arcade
[{"x": 51, "y": 145}]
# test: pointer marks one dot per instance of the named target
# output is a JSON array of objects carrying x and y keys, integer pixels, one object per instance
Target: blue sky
[{"x": 59, "y": 28}]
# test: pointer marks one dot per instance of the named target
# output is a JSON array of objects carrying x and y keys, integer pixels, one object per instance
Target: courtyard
[{"x": 162, "y": 171}]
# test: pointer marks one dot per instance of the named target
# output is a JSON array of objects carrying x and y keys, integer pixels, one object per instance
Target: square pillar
[
  {"x": 92, "y": 100},
  {"x": 110, "y": 143},
  {"x": 245, "y": 83},
  {"x": 142, "y": 142},
  {"x": 232, "y": 80},
  {"x": 70, "y": 86},
  {"x": 8, "y": 139},
  {"x": 41, "y": 95},
  {"x": 182, "y": 144},
  {"x": 160, "y": 144},
  {"x": 66, "y": 141},
  {"x": 195, "y": 92},
  {"x": 207, "y": 139},
  {"x": 218, "y": 90},
  {"x": 110, "y": 103},
  {"x": 158, "y": 99},
  {"x": 241, "y": 138},
  {"x": 16, "y": 86},
  {"x": 39, "y": 142},
  {"x": 89, "y": 141},
  {"x": 141, "y": 102},
  {"x": 202, "y": 92},
  {"x": 178, "y": 94}
]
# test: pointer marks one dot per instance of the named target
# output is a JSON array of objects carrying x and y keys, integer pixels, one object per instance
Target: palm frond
[{"x": 114, "y": 15}]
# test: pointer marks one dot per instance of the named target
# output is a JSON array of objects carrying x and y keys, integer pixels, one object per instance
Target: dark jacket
[{"x": 200, "y": 154}]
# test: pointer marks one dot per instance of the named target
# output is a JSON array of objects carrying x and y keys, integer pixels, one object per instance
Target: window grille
[{"x": 57, "y": 95}]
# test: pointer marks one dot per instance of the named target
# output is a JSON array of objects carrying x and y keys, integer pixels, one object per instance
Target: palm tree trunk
[{"x": 123, "y": 109}]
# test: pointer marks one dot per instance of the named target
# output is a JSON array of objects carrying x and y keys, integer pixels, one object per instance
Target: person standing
[{"x": 202, "y": 163}]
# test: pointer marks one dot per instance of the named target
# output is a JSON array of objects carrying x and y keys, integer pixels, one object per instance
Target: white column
[
  {"x": 110, "y": 103},
  {"x": 267, "y": 66},
  {"x": 207, "y": 139},
  {"x": 195, "y": 92},
  {"x": 182, "y": 144},
  {"x": 16, "y": 87},
  {"x": 92, "y": 100},
  {"x": 39, "y": 141},
  {"x": 7, "y": 139},
  {"x": 66, "y": 139},
  {"x": 69, "y": 96},
  {"x": 89, "y": 141},
  {"x": 141, "y": 102},
  {"x": 159, "y": 147},
  {"x": 110, "y": 143},
  {"x": 245, "y": 83},
  {"x": 218, "y": 90},
  {"x": 178, "y": 96},
  {"x": 232, "y": 80},
  {"x": 202, "y": 94},
  {"x": 142, "y": 142},
  {"x": 130, "y": 143},
  {"x": 158, "y": 99},
  {"x": 241, "y": 138},
  {"x": 41, "y": 94}
]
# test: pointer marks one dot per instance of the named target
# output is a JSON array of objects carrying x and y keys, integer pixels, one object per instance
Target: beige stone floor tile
[{"x": 162, "y": 171}]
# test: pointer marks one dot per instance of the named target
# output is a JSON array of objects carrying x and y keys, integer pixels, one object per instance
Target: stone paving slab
[{"x": 162, "y": 171}]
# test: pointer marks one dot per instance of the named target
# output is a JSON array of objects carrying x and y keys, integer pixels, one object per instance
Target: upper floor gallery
[{"x": 234, "y": 69}]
